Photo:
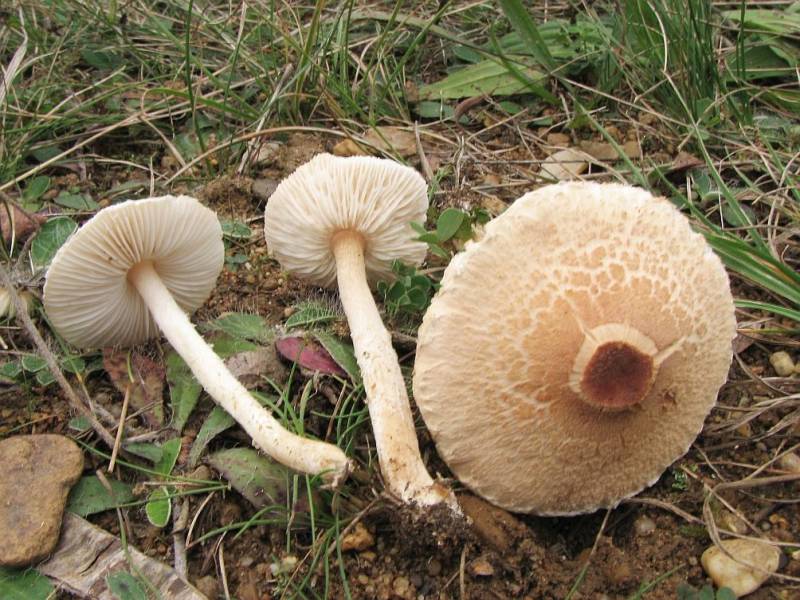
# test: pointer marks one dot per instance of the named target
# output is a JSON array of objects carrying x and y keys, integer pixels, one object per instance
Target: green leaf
[
  {"x": 125, "y": 586},
  {"x": 33, "y": 363},
  {"x": 159, "y": 507},
  {"x": 311, "y": 313},
  {"x": 100, "y": 59},
  {"x": 184, "y": 390},
  {"x": 73, "y": 364},
  {"x": 90, "y": 496},
  {"x": 36, "y": 188},
  {"x": 342, "y": 353},
  {"x": 45, "y": 377},
  {"x": 526, "y": 28},
  {"x": 429, "y": 109},
  {"x": 49, "y": 239},
  {"x": 80, "y": 423},
  {"x": 726, "y": 593},
  {"x": 24, "y": 584},
  {"x": 226, "y": 346},
  {"x": 449, "y": 223},
  {"x": 487, "y": 78},
  {"x": 217, "y": 421},
  {"x": 145, "y": 450},
  {"x": 243, "y": 326},
  {"x": 235, "y": 230},
  {"x": 76, "y": 201},
  {"x": 45, "y": 153},
  {"x": 169, "y": 456}
]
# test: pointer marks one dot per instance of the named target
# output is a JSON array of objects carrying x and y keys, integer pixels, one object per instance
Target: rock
[
  {"x": 558, "y": 139},
  {"x": 401, "y": 586},
  {"x": 263, "y": 188},
  {"x": 358, "y": 539},
  {"x": 36, "y": 474},
  {"x": 741, "y": 579},
  {"x": 790, "y": 462},
  {"x": 632, "y": 149},
  {"x": 602, "y": 151},
  {"x": 208, "y": 586},
  {"x": 434, "y": 568},
  {"x": 481, "y": 567},
  {"x": 644, "y": 525},
  {"x": 782, "y": 363},
  {"x": 252, "y": 366},
  {"x": 565, "y": 164},
  {"x": 267, "y": 153},
  {"x": 348, "y": 147}
]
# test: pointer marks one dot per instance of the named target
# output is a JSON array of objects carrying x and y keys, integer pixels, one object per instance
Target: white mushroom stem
[
  {"x": 403, "y": 471},
  {"x": 302, "y": 454}
]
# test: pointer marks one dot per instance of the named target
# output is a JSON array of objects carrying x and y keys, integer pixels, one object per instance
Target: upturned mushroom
[
  {"x": 346, "y": 220},
  {"x": 141, "y": 266},
  {"x": 574, "y": 351}
]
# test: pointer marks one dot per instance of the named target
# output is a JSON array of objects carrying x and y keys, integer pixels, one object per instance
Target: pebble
[
  {"x": 558, "y": 139},
  {"x": 602, "y": 151},
  {"x": 782, "y": 363},
  {"x": 36, "y": 474},
  {"x": 481, "y": 567},
  {"x": 358, "y": 539},
  {"x": 644, "y": 525},
  {"x": 208, "y": 586},
  {"x": 348, "y": 147},
  {"x": 742, "y": 580},
  {"x": 263, "y": 188},
  {"x": 401, "y": 586},
  {"x": 565, "y": 164},
  {"x": 632, "y": 149},
  {"x": 434, "y": 568},
  {"x": 790, "y": 462}
]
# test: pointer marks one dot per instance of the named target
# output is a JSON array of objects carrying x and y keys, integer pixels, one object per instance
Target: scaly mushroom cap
[
  {"x": 87, "y": 295},
  {"x": 375, "y": 197},
  {"x": 573, "y": 353}
]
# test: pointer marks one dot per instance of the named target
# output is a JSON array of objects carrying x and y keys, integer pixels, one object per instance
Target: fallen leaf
[
  {"x": 565, "y": 164},
  {"x": 684, "y": 161},
  {"x": 147, "y": 388},
  {"x": 23, "y": 226},
  {"x": 602, "y": 151},
  {"x": 309, "y": 355},
  {"x": 392, "y": 139},
  {"x": 348, "y": 147}
]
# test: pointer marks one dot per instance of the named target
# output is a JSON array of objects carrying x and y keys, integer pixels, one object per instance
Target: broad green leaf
[
  {"x": 36, "y": 188},
  {"x": 145, "y": 450},
  {"x": 45, "y": 377},
  {"x": 45, "y": 153},
  {"x": 449, "y": 223},
  {"x": 311, "y": 313},
  {"x": 10, "y": 369},
  {"x": 487, "y": 78},
  {"x": 217, "y": 421},
  {"x": 24, "y": 584},
  {"x": 169, "y": 456},
  {"x": 76, "y": 201},
  {"x": 101, "y": 59},
  {"x": 341, "y": 352},
  {"x": 80, "y": 423},
  {"x": 90, "y": 496},
  {"x": 159, "y": 507},
  {"x": 226, "y": 346},
  {"x": 243, "y": 326},
  {"x": 49, "y": 239},
  {"x": 235, "y": 230},
  {"x": 429, "y": 109},
  {"x": 125, "y": 586},
  {"x": 184, "y": 390},
  {"x": 33, "y": 363},
  {"x": 73, "y": 364}
]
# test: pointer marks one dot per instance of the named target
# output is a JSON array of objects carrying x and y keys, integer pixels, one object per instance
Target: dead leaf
[
  {"x": 602, "y": 151},
  {"x": 23, "y": 226},
  {"x": 309, "y": 355},
  {"x": 251, "y": 367},
  {"x": 684, "y": 161},
  {"x": 392, "y": 139},
  {"x": 348, "y": 147},
  {"x": 147, "y": 388},
  {"x": 565, "y": 164},
  {"x": 632, "y": 149}
]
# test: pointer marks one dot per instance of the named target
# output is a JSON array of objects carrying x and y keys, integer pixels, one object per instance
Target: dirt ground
[{"x": 656, "y": 535}]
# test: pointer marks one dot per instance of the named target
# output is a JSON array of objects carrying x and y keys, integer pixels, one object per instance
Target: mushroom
[
  {"x": 346, "y": 220},
  {"x": 140, "y": 266},
  {"x": 574, "y": 351}
]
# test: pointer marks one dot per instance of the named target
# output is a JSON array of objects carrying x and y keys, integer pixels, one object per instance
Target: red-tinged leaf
[
  {"x": 309, "y": 355},
  {"x": 147, "y": 387},
  {"x": 23, "y": 225}
]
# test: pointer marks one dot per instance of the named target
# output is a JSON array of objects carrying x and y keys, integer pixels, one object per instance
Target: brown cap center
[{"x": 617, "y": 376}]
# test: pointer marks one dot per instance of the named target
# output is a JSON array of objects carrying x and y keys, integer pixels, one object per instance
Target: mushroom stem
[
  {"x": 302, "y": 454},
  {"x": 387, "y": 399}
]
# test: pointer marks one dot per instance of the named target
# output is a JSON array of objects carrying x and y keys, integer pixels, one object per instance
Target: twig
[
  {"x": 462, "y": 582},
  {"x": 120, "y": 428},
  {"x": 222, "y": 573},
  {"x": 180, "y": 520},
  {"x": 47, "y": 355}
]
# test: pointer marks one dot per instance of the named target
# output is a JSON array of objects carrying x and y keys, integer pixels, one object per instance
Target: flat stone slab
[{"x": 36, "y": 474}]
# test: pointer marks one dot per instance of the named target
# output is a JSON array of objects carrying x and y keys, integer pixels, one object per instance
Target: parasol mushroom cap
[
  {"x": 330, "y": 195},
  {"x": 573, "y": 353},
  {"x": 87, "y": 295}
]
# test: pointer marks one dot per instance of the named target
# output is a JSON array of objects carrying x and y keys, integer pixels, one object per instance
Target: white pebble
[
  {"x": 782, "y": 363},
  {"x": 644, "y": 525},
  {"x": 741, "y": 579}
]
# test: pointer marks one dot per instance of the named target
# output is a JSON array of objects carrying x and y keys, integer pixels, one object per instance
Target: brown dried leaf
[
  {"x": 22, "y": 225},
  {"x": 147, "y": 388},
  {"x": 392, "y": 139}
]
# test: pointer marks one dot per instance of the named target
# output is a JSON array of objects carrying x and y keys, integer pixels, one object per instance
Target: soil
[{"x": 656, "y": 535}]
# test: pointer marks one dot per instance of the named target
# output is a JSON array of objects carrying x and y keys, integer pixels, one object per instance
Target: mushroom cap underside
[
  {"x": 497, "y": 346},
  {"x": 87, "y": 295},
  {"x": 377, "y": 198}
]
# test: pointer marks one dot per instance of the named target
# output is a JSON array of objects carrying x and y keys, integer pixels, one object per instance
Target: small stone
[
  {"x": 401, "y": 586},
  {"x": 742, "y": 580},
  {"x": 434, "y": 568},
  {"x": 730, "y": 522},
  {"x": 358, "y": 539},
  {"x": 790, "y": 462},
  {"x": 644, "y": 525},
  {"x": 288, "y": 311},
  {"x": 492, "y": 179},
  {"x": 368, "y": 555},
  {"x": 481, "y": 567},
  {"x": 619, "y": 572},
  {"x": 565, "y": 164},
  {"x": 286, "y": 565},
  {"x": 647, "y": 118},
  {"x": 36, "y": 474},
  {"x": 632, "y": 149},
  {"x": 782, "y": 363},
  {"x": 247, "y": 561},
  {"x": 208, "y": 586},
  {"x": 363, "y": 579},
  {"x": 263, "y": 188},
  {"x": 602, "y": 151},
  {"x": 558, "y": 139},
  {"x": 267, "y": 153},
  {"x": 348, "y": 147},
  {"x": 248, "y": 590}
]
